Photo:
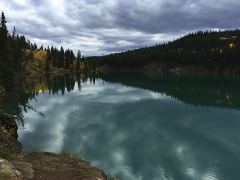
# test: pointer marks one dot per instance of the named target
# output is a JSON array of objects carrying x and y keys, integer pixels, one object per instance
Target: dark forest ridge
[
  {"x": 200, "y": 51},
  {"x": 219, "y": 49},
  {"x": 16, "y": 51},
  {"x": 18, "y": 56}
]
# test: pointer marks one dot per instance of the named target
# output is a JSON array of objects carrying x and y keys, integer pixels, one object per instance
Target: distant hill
[{"x": 208, "y": 49}]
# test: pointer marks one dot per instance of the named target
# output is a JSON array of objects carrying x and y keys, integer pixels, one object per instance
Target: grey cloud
[
  {"x": 178, "y": 15},
  {"x": 100, "y": 27}
]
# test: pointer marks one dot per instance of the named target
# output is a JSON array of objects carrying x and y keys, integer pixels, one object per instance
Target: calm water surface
[{"x": 138, "y": 128}]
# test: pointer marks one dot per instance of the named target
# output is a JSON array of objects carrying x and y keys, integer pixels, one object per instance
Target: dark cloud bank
[{"x": 103, "y": 26}]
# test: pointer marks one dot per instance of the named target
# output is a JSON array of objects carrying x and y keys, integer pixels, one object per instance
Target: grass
[
  {"x": 69, "y": 154},
  {"x": 5, "y": 177}
]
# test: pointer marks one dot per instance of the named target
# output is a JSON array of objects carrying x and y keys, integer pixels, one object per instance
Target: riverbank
[
  {"x": 159, "y": 68},
  {"x": 190, "y": 68},
  {"x": 16, "y": 164}
]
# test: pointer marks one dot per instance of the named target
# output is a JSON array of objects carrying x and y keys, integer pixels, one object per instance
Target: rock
[
  {"x": 7, "y": 121},
  {"x": 40, "y": 165},
  {"x": 25, "y": 168},
  {"x": 9, "y": 171},
  {"x": 9, "y": 145}
]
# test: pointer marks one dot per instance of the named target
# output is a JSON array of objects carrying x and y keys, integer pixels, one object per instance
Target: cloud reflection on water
[{"x": 137, "y": 134}]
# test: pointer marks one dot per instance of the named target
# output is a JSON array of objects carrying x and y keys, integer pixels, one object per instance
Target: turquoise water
[{"x": 139, "y": 128}]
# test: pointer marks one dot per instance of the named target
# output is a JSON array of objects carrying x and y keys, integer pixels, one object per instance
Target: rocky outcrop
[
  {"x": 38, "y": 165},
  {"x": 8, "y": 171},
  {"x": 50, "y": 166},
  {"x": 7, "y": 122},
  {"x": 9, "y": 145}
]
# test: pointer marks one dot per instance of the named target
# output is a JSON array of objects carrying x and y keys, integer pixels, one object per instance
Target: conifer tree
[
  {"x": 14, "y": 33},
  {"x": 47, "y": 67},
  {"x": 3, "y": 34},
  {"x": 72, "y": 58},
  {"x": 61, "y": 58},
  {"x": 78, "y": 60}
]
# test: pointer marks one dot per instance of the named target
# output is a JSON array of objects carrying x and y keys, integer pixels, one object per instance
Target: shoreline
[
  {"x": 158, "y": 68},
  {"x": 16, "y": 164}
]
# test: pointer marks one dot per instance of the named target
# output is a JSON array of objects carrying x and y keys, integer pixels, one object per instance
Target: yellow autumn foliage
[
  {"x": 232, "y": 45},
  {"x": 40, "y": 87},
  {"x": 40, "y": 55}
]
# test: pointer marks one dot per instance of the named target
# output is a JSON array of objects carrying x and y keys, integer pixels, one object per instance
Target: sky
[{"x": 98, "y": 27}]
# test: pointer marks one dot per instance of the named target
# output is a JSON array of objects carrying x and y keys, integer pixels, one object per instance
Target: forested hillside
[
  {"x": 19, "y": 57},
  {"x": 211, "y": 49}
]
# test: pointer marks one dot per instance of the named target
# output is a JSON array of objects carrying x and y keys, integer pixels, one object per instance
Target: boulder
[
  {"x": 8, "y": 122},
  {"x": 9, "y": 145},
  {"x": 8, "y": 171}
]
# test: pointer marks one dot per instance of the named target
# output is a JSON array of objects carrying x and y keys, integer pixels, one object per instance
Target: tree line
[
  {"x": 16, "y": 52},
  {"x": 210, "y": 48}
]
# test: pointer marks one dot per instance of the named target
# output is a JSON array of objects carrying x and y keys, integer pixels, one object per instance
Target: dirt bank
[{"x": 38, "y": 165}]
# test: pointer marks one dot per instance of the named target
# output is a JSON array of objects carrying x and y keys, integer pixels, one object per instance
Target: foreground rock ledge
[
  {"x": 8, "y": 171},
  {"x": 17, "y": 165},
  {"x": 38, "y": 165}
]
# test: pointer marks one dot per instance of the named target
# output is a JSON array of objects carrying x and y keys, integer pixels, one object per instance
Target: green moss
[
  {"x": 5, "y": 177},
  {"x": 69, "y": 154}
]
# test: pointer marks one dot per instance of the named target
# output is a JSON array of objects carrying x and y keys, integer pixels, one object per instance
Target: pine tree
[
  {"x": 48, "y": 59},
  {"x": 3, "y": 24},
  {"x": 72, "y": 58},
  {"x": 14, "y": 33},
  {"x": 61, "y": 58},
  {"x": 67, "y": 59},
  {"x": 78, "y": 60},
  {"x": 3, "y": 33},
  {"x": 6, "y": 68},
  {"x": 47, "y": 68}
]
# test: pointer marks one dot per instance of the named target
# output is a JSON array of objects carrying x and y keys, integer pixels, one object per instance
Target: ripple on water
[{"x": 211, "y": 174}]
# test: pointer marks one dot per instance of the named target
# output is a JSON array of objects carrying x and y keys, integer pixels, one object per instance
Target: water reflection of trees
[
  {"x": 203, "y": 90},
  {"x": 16, "y": 99},
  {"x": 22, "y": 90},
  {"x": 66, "y": 83}
]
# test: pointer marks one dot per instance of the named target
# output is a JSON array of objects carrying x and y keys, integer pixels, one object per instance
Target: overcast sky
[{"x": 98, "y": 27}]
